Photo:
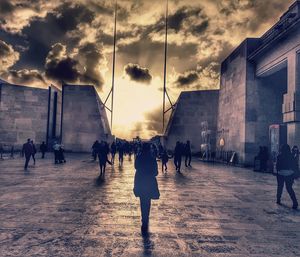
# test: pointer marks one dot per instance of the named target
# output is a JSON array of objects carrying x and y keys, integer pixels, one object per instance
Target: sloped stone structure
[
  {"x": 84, "y": 118},
  {"x": 75, "y": 116},
  {"x": 192, "y": 109}
]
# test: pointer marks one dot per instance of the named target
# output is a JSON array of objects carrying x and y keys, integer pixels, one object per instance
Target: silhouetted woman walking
[
  {"x": 286, "y": 166},
  {"x": 145, "y": 183}
]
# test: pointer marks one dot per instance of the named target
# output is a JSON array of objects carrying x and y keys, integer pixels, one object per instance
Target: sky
[{"x": 44, "y": 42}]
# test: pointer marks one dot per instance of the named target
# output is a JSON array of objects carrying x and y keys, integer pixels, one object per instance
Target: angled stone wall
[
  {"x": 84, "y": 118},
  {"x": 192, "y": 109},
  {"x": 23, "y": 114}
]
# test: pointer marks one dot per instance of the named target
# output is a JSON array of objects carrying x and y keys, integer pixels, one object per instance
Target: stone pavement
[{"x": 209, "y": 210}]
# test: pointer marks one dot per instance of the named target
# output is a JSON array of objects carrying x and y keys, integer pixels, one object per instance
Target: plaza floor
[{"x": 208, "y": 210}]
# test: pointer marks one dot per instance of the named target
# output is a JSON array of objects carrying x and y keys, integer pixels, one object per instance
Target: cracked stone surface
[{"x": 208, "y": 210}]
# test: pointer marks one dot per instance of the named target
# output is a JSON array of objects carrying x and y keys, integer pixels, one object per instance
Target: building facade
[
  {"x": 260, "y": 88},
  {"x": 74, "y": 116}
]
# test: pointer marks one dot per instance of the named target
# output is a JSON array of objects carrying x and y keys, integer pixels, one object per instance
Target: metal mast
[
  {"x": 111, "y": 92},
  {"x": 165, "y": 92}
]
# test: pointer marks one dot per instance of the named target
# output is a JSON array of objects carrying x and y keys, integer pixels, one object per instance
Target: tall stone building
[
  {"x": 259, "y": 92},
  {"x": 260, "y": 87}
]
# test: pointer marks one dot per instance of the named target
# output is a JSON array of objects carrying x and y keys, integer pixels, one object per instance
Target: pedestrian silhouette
[
  {"x": 113, "y": 150},
  {"x": 94, "y": 150},
  {"x": 27, "y": 151},
  {"x": 43, "y": 149},
  {"x": 188, "y": 154},
  {"x": 102, "y": 152},
  {"x": 178, "y": 152},
  {"x": 121, "y": 153},
  {"x": 145, "y": 183},
  {"x": 164, "y": 160},
  {"x": 34, "y": 152},
  {"x": 286, "y": 168}
]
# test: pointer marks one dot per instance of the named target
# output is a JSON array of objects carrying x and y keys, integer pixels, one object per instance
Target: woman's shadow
[
  {"x": 148, "y": 244},
  {"x": 99, "y": 181}
]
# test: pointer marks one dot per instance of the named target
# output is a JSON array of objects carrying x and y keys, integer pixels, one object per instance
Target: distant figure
[
  {"x": 188, "y": 154},
  {"x": 56, "y": 148},
  {"x": 61, "y": 155},
  {"x": 43, "y": 149},
  {"x": 295, "y": 153},
  {"x": 94, "y": 149},
  {"x": 164, "y": 160},
  {"x": 102, "y": 152},
  {"x": 178, "y": 156},
  {"x": 286, "y": 166},
  {"x": 34, "y": 152},
  {"x": 121, "y": 153},
  {"x": 263, "y": 157},
  {"x": 145, "y": 183},
  {"x": 113, "y": 150},
  {"x": 27, "y": 151}
]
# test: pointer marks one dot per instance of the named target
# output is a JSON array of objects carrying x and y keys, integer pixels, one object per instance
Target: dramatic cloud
[
  {"x": 81, "y": 66},
  {"x": 73, "y": 41},
  {"x": 138, "y": 73},
  {"x": 201, "y": 78},
  {"x": 25, "y": 77},
  {"x": 8, "y": 57},
  {"x": 187, "y": 79}
]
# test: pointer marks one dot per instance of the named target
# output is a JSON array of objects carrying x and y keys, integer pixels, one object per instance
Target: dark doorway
[
  {"x": 54, "y": 115},
  {"x": 271, "y": 90}
]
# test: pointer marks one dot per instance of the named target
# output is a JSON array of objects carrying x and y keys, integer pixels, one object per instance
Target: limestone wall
[
  {"x": 192, "y": 109},
  {"x": 232, "y": 102},
  {"x": 84, "y": 119},
  {"x": 23, "y": 114}
]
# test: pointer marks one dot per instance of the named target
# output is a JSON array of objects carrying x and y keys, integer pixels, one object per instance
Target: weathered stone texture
[
  {"x": 191, "y": 110},
  {"x": 232, "y": 102},
  {"x": 23, "y": 114},
  {"x": 84, "y": 118}
]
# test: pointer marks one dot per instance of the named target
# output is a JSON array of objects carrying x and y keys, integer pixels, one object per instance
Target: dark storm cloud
[
  {"x": 176, "y": 20},
  {"x": 6, "y": 7},
  {"x": 83, "y": 66},
  {"x": 187, "y": 79},
  {"x": 42, "y": 33},
  {"x": 200, "y": 28},
  {"x": 138, "y": 73},
  {"x": 90, "y": 57},
  {"x": 62, "y": 70},
  {"x": 24, "y": 77}
]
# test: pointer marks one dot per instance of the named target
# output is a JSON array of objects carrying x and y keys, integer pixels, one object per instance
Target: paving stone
[{"x": 208, "y": 210}]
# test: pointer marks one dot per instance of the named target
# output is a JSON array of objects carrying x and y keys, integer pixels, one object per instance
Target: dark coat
[
  {"x": 27, "y": 149},
  {"x": 286, "y": 162},
  {"x": 145, "y": 183}
]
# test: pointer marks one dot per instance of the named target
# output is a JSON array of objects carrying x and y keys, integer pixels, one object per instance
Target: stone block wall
[
  {"x": 191, "y": 110},
  {"x": 84, "y": 118},
  {"x": 23, "y": 114},
  {"x": 232, "y": 102}
]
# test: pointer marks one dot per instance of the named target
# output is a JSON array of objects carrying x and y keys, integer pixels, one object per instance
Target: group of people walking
[
  {"x": 146, "y": 168},
  {"x": 29, "y": 151}
]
